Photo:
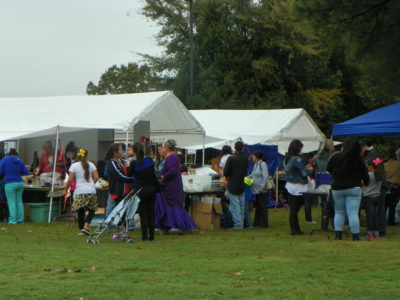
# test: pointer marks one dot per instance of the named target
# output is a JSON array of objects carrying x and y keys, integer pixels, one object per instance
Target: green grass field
[{"x": 49, "y": 261}]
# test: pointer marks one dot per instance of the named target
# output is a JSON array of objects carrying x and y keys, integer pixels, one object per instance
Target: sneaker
[
  {"x": 86, "y": 231},
  {"x": 116, "y": 237},
  {"x": 370, "y": 236},
  {"x": 81, "y": 233},
  {"x": 376, "y": 235},
  {"x": 312, "y": 222}
]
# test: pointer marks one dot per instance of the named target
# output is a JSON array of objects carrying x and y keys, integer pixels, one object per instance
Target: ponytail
[
  {"x": 139, "y": 152},
  {"x": 82, "y": 157}
]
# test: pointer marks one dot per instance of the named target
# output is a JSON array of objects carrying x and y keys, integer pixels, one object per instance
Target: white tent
[
  {"x": 34, "y": 117},
  {"x": 273, "y": 127}
]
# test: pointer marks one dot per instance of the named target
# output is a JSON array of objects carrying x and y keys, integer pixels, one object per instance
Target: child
[{"x": 372, "y": 196}]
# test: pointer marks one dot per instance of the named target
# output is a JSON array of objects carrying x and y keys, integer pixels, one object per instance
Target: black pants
[
  {"x": 146, "y": 213},
  {"x": 295, "y": 203},
  {"x": 391, "y": 201},
  {"x": 82, "y": 217},
  {"x": 308, "y": 201},
  {"x": 261, "y": 214},
  {"x": 372, "y": 207}
]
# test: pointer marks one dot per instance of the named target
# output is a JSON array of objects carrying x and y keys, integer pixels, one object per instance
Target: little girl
[{"x": 372, "y": 196}]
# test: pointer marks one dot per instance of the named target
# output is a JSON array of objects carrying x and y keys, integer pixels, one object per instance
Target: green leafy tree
[
  {"x": 247, "y": 55},
  {"x": 131, "y": 78},
  {"x": 366, "y": 31}
]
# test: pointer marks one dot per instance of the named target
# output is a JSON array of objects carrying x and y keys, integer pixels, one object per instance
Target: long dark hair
[
  {"x": 113, "y": 148},
  {"x": 351, "y": 154},
  {"x": 139, "y": 152},
  {"x": 13, "y": 152},
  {"x": 295, "y": 147},
  {"x": 82, "y": 155}
]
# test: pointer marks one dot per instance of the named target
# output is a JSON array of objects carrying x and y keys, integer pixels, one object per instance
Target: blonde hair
[{"x": 327, "y": 146}]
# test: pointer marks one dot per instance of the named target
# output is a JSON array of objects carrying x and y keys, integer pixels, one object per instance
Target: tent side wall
[{"x": 96, "y": 141}]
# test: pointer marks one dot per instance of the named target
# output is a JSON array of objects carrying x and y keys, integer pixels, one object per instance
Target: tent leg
[
  {"x": 127, "y": 137},
  {"x": 54, "y": 170},
  {"x": 204, "y": 148},
  {"x": 276, "y": 188}
]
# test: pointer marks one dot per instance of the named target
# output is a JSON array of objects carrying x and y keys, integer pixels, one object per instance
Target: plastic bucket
[{"x": 39, "y": 212}]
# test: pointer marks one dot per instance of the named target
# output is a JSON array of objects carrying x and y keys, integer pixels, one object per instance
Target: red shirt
[{"x": 46, "y": 163}]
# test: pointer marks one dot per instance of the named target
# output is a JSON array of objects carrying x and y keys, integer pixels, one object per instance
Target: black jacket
[
  {"x": 344, "y": 178},
  {"x": 236, "y": 170},
  {"x": 116, "y": 177},
  {"x": 144, "y": 174}
]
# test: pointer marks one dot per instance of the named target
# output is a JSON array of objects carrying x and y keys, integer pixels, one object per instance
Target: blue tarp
[
  {"x": 383, "y": 121},
  {"x": 270, "y": 154}
]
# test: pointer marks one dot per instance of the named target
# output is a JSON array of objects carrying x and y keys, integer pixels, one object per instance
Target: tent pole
[
  {"x": 204, "y": 148},
  {"x": 127, "y": 138},
  {"x": 54, "y": 170},
  {"x": 276, "y": 188}
]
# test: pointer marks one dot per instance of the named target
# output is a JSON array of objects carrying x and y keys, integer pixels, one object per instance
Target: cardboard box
[{"x": 206, "y": 213}]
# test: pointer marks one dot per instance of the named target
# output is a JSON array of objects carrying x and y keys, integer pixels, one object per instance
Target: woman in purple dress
[{"x": 169, "y": 203}]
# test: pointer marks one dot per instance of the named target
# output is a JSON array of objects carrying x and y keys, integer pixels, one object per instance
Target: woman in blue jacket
[
  {"x": 12, "y": 168},
  {"x": 296, "y": 183}
]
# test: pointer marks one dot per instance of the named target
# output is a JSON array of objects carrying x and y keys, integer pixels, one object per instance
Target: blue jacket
[
  {"x": 12, "y": 168},
  {"x": 296, "y": 171}
]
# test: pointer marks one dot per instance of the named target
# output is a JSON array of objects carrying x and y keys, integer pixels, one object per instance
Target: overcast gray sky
[{"x": 55, "y": 47}]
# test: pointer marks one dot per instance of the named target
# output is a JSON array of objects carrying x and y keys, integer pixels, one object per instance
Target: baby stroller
[{"x": 127, "y": 207}]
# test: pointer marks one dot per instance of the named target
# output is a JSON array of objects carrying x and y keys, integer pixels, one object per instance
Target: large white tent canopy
[
  {"x": 32, "y": 117},
  {"x": 273, "y": 127}
]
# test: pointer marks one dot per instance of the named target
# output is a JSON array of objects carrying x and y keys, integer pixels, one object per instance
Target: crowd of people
[{"x": 350, "y": 179}]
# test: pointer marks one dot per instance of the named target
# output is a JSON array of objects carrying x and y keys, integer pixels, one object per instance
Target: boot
[
  {"x": 338, "y": 235},
  {"x": 356, "y": 237}
]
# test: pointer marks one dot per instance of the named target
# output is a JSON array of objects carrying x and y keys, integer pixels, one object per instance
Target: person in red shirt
[{"x": 47, "y": 159}]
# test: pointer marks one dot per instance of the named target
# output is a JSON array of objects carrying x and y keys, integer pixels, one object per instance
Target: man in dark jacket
[{"x": 235, "y": 171}]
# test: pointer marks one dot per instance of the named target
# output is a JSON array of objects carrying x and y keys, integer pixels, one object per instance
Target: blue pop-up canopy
[{"x": 383, "y": 121}]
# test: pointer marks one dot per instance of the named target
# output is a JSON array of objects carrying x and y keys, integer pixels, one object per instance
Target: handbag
[
  {"x": 270, "y": 183},
  {"x": 101, "y": 184}
]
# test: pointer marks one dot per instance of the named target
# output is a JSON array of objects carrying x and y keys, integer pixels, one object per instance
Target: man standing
[
  {"x": 392, "y": 168},
  {"x": 235, "y": 171}
]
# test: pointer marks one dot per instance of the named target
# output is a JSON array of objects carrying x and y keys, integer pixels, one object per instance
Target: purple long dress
[{"x": 169, "y": 211}]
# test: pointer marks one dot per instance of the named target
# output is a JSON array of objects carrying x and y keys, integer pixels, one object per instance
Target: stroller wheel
[
  {"x": 130, "y": 241},
  {"x": 89, "y": 241},
  {"x": 96, "y": 241}
]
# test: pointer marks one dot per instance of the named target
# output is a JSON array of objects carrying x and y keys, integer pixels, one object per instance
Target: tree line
[{"x": 335, "y": 58}]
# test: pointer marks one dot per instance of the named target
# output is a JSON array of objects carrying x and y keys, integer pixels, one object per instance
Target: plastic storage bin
[{"x": 39, "y": 212}]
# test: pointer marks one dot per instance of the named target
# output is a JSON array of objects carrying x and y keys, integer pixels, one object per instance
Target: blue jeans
[
  {"x": 14, "y": 200},
  {"x": 247, "y": 216},
  {"x": 237, "y": 210},
  {"x": 347, "y": 200}
]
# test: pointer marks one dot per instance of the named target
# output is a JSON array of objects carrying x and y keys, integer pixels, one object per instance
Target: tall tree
[
  {"x": 366, "y": 31},
  {"x": 130, "y": 78}
]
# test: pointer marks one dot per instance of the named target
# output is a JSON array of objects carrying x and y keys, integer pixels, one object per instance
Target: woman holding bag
[{"x": 260, "y": 180}]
